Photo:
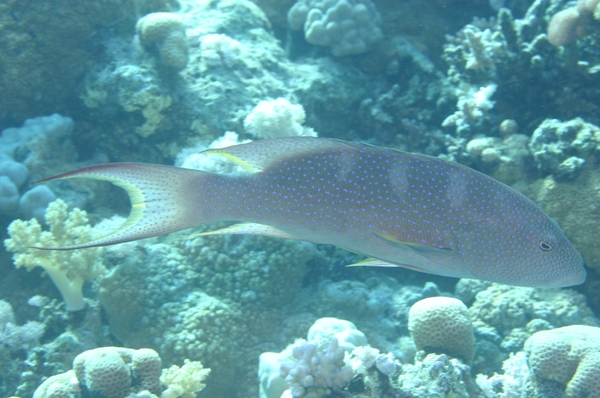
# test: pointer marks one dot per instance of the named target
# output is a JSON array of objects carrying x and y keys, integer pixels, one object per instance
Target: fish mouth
[{"x": 576, "y": 279}]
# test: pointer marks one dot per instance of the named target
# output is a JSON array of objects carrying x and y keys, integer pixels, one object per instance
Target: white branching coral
[
  {"x": 473, "y": 106},
  {"x": 67, "y": 269},
  {"x": 184, "y": 381},
  {"x": 318, "y": 370},
  {"x": 277, "y": 118}
]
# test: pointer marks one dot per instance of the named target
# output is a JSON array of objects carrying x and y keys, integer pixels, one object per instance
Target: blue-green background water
[{"x": 474, "y": 82}]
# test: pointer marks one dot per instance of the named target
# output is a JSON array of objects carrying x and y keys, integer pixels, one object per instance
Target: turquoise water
[{"x": 474, "y": 82}]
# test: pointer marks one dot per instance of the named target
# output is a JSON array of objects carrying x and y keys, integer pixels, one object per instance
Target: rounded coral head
[
  {"x": 442, "y": 325},
  {"x": 165, "y": 32},
  {"x": 564, "y": 27}
]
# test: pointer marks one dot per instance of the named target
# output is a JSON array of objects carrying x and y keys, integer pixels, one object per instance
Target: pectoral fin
[
  {"x": 251, "y": 229},
  {"x": 375, "y": 262},
  {"x": 418, "y": 247}
]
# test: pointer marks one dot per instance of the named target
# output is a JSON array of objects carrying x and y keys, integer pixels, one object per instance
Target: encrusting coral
[{"x": 67, "y": 269}]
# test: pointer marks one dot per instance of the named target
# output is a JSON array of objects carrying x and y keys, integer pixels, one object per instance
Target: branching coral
[
  {"x": 184, "y": 381},
  {"x": 67, "y": 269}
]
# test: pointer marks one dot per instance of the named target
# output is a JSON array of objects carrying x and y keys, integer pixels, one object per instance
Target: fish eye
[{"x": 545, "y": 246}]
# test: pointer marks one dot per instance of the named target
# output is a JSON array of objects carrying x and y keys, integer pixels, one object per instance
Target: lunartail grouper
[{"x": 396, "y": 208}]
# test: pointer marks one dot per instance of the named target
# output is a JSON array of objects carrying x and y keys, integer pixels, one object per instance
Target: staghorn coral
[{"x": 67, "y": 269}]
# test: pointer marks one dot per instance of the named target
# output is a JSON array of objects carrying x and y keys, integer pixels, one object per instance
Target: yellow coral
[
  {"x": 184, "y": 381},
  {"x": 67, "y": 269}
]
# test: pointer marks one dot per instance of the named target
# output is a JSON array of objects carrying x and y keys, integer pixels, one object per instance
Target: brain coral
[
  {"x": 570, "y": 356},
  {"x": 114, "y": 372},
  {"x": 442, "y": 325},
  {"x": 166, "y": 32},
  {"x": 57, "y": 386},
  {"x": 347, "y": 26}
]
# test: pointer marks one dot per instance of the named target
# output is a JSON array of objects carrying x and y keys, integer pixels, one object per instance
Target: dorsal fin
[{"x": 257, "y": 156}]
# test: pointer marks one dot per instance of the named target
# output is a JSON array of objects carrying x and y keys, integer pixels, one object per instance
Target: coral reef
[
  {"x": 318, "y": 370},
  {"x": 18, "y": 336},
  {"x": 44, "y": 56},
  {"x": 504, "y": 317},
  {"x": 568, "y": 25},
  {"x": 222, "y": 298},
  {"x": 511, "y": 383},
  {"x": 117, "y": 372},
  {"x": 232, "y": 49},
  {"x": 436, "y": 375},
  {"x": 569, "y": 355},
  {"x": 561, "y": 148},
  {"x": 40, "y": 146},
  {"x": 62, "y": 336},
  {"x": 509, "y": 87}
]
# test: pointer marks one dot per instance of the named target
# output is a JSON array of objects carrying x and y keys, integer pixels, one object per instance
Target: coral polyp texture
[
  {"x": 165, "y": 33},
  {"x": 118, "y": 372},
  {"x": 442, "y": 325},
  {"x": 569, "y": 356},
  {"x": 347, "y": 26}
]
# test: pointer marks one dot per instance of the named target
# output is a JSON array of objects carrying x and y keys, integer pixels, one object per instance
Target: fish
[{"x": 396, "y": 208}]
